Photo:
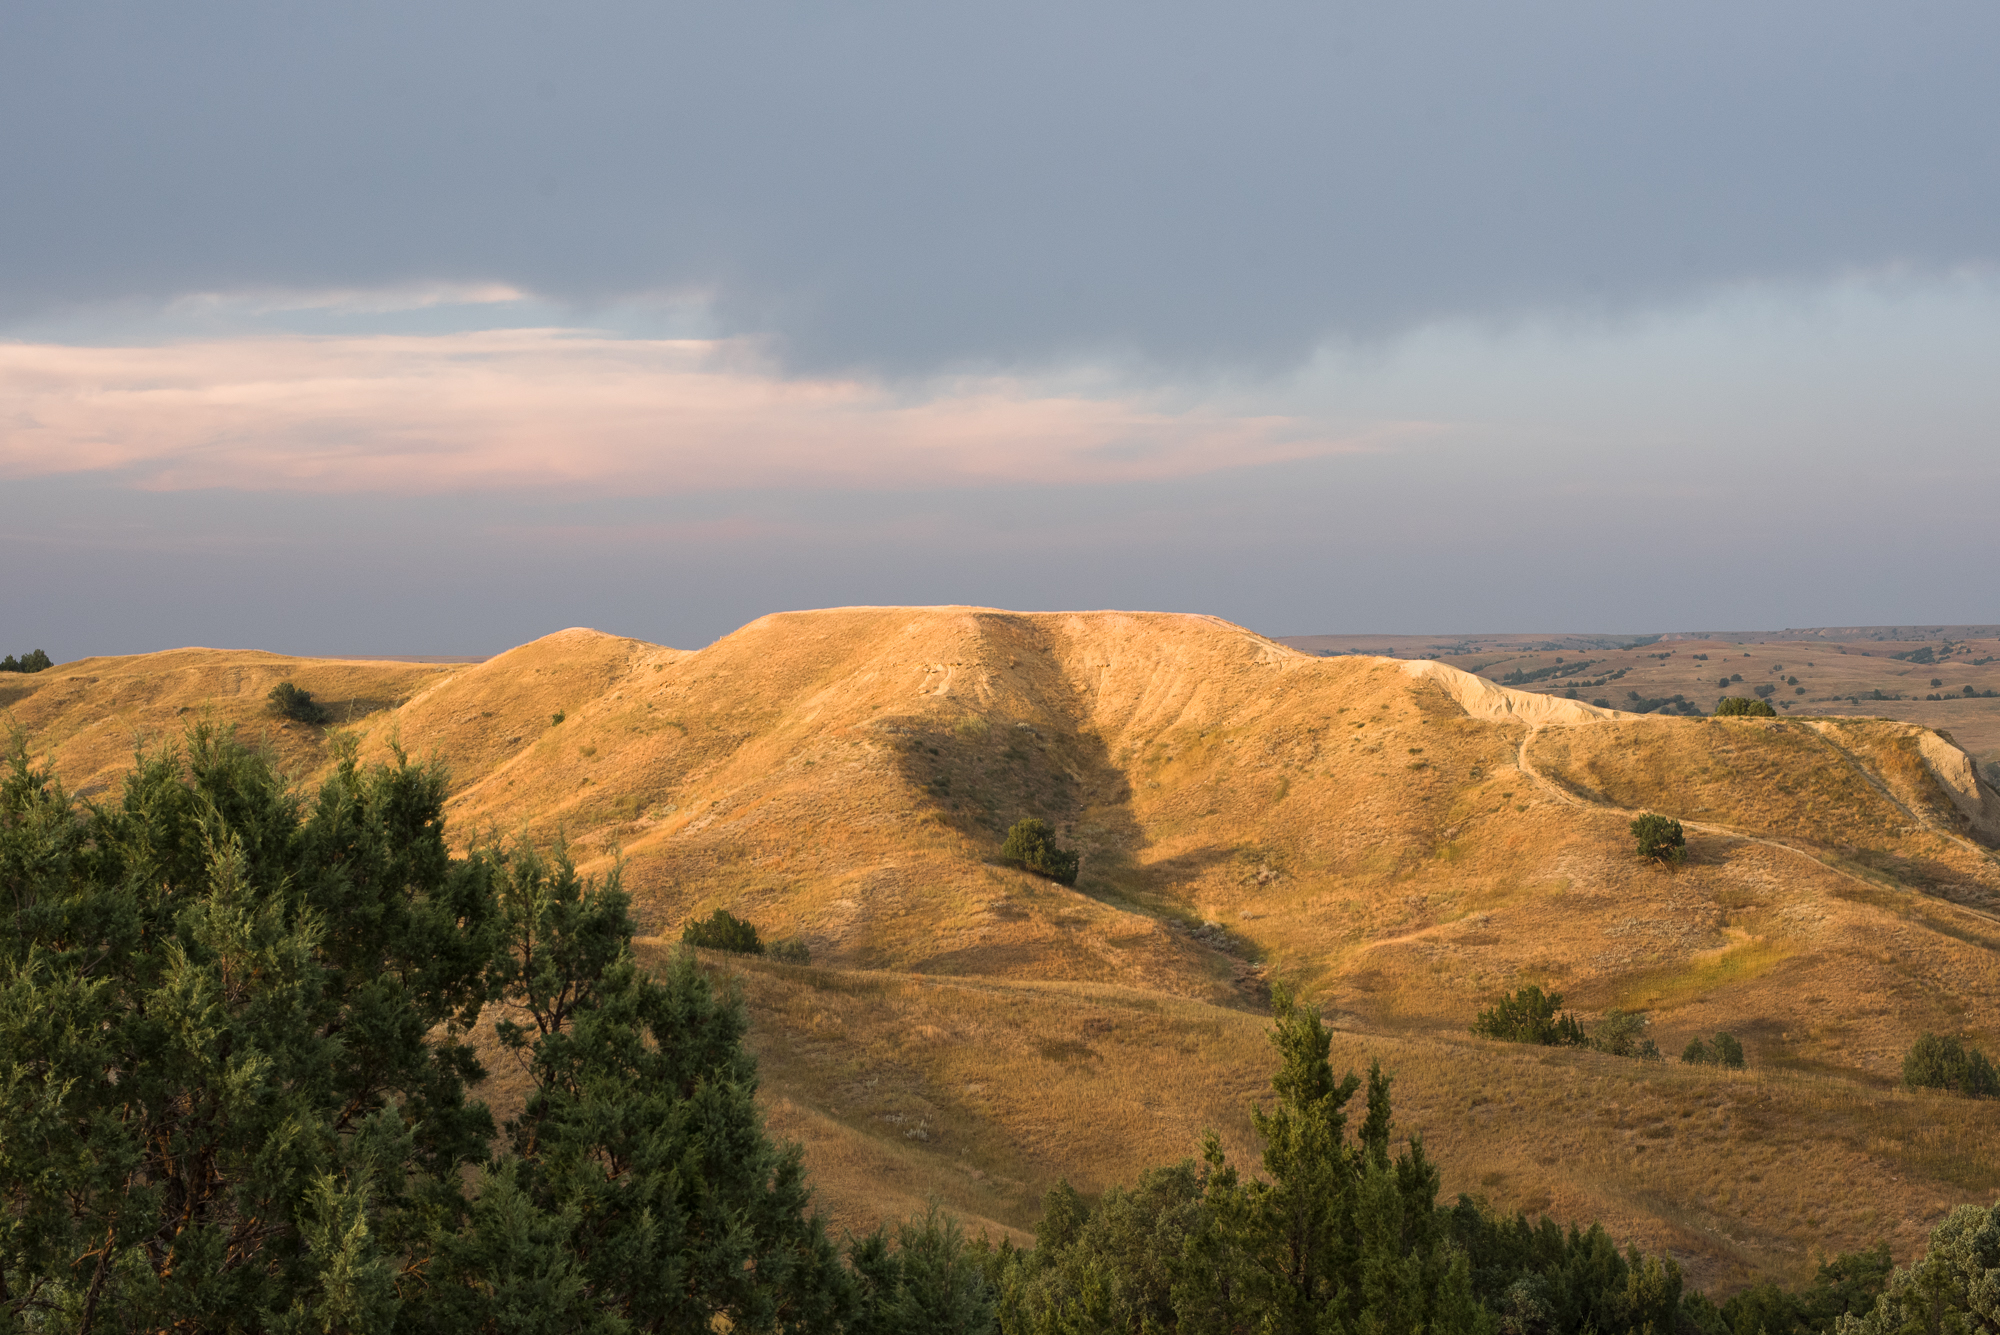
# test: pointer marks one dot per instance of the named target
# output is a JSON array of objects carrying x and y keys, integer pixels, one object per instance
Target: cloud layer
[
  {"x": 904, "y": 187},
  {"x": 583, "y": 414}
]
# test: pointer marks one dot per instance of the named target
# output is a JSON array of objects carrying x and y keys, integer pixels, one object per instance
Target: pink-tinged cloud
[{"x": 538, "y": 408}]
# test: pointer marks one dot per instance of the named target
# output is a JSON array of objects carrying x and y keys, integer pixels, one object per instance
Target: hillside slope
[{"x": 1401, "y": 839}]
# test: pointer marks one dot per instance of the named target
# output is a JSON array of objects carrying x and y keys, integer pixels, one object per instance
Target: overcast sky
[{"x": 428, "y": 329}]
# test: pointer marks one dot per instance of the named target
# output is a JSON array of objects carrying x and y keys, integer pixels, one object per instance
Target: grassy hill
[
  {"x": 1400, "y": 838},
  {"x": 1941, "y": 677}
]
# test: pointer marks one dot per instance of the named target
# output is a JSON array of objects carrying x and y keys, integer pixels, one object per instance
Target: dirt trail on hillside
[{"x": 1565, "y": 796}]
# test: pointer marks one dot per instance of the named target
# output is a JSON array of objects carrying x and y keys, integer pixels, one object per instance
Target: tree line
[{"x": 237, "y": 1093}]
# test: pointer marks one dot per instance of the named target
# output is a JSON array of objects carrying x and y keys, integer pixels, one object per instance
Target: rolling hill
[{"x": 1401, "y": 839}]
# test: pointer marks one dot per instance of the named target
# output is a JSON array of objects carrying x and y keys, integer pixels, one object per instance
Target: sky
[{"x": 430, "y": 329}]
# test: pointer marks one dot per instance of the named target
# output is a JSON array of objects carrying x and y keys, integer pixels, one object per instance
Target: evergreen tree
[
  {"x": 640, "y": 1187},
  {"x": 292, "y": 702},
  {"x": 723, "y": 930},
  {"x": 1943, "y": 1062},
  {"x": 1954, "y": 1287},
  {"x": 1846, "y": 1285},
  {"x": 233, "y": 1035},
  {"x": 931, "y": 1282},
  {"x": 1531, "y": 1016},
  {"x": 1660, "y": 838},
  {"x": 1031, "y": 843}
]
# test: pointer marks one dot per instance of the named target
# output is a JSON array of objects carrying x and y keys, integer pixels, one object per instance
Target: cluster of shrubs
[
  {"x": 723, "y": 930},
  {"x": 1723, "y": 1051},
  {"x": 1969, "y": 693},
  {"x": 34, "y": 662},
  {"x": 1636, "y": 703},
  {"x": 1534, "y": 1016},
  {"x": 1574, "y": 668},
  {"x": 1744, "y": 706},
  {"x": 1341, "y": 1230},
  {"x": 1935, "y": 1062}
]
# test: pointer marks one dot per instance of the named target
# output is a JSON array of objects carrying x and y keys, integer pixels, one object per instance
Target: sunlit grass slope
[{"x": 1401, "y": 840}]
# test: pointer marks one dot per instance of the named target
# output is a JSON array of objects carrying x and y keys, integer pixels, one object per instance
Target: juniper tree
[
  {"x": 234, "y": 1027},
  {"x": 1031, "y": 843},
  {"x": 233, "y": 1031},
  {"x": 1953, "y": 1287},
  {"x": 1660, "y": 838}
]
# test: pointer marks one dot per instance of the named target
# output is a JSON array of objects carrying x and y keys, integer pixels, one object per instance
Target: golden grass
[
  {"x": 1245, "y": 813},
  {"x": 984, "y": 1093}
]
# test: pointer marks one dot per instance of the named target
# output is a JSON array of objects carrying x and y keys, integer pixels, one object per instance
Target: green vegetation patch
[{"x": 1675, "y": 985}]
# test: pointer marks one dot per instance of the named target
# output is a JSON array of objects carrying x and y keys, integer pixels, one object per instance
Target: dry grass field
[{"x": 1400, "y": 839}]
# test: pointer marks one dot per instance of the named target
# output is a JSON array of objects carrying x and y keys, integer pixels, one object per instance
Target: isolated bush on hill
[
  {"x": 1723, "y": 1051},
  {"x": 790, "y": 950},
  {"x": 1032, "y": 844},
  {"x": 1622, "y": 1033},
  {"x": 1743, "y": 706},
  {"x": 1660, "y": 838},
  {"x": 1531, "y": 1016},
  {"x": 33, "y": 662},
  {"x": 289, "y": 701},
  {"x": 1941, "y": 1062},
  {"x": 722, "y": 930}
]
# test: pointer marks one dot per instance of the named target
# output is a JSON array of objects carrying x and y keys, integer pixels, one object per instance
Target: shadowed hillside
[{"x": 1402, "y": 839}]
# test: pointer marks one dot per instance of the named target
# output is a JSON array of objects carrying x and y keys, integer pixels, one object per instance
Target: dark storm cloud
[{"x": 907, "y": 187}]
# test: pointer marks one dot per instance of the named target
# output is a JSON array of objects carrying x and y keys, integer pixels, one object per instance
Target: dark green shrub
[
  {"x": 1936, "y": 1062},
  {"x": 1031, "y": 844},
  {"x": 1742, "y": 706},
  {"x": 1845, "y": 1286},
  {"x": 251, "y": 1013},
  {"x": 1724, "y": 1051},
  {"x": 34, "y": 662},
  {"x": 791, "y": 950},
  {"x": 723, "y": 930},
  {"x": 1764, "y": 690},
  {"x": 288, "y": 701},
  {"x": 1530, "y": 1016},
  {"x": 555, "y": 718},
  {"x": 1660, "y": 838},
  {"x": 1623, "y": 1034}
]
